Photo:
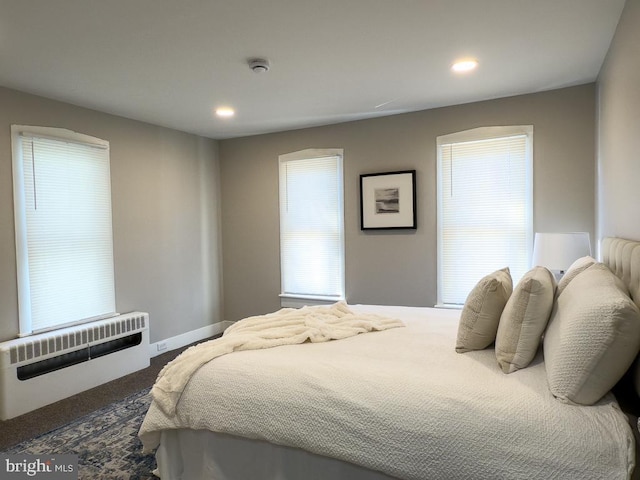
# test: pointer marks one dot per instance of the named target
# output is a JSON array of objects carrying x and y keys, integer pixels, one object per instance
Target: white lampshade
[{"x": 557, "y": 251}]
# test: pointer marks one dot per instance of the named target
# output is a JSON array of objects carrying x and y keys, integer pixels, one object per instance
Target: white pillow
[
  {"x": 524, "y": 319},
  {"x": 592, "y": 338},
  {"x": 481, "y": 312},
  {"x": 580, "y": 265}
]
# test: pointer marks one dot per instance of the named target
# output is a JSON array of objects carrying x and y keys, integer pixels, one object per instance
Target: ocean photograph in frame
[{"x": 388, "y": 200}]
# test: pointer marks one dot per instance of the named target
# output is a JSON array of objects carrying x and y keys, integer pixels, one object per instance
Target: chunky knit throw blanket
[{"x": 287, "y": 326}]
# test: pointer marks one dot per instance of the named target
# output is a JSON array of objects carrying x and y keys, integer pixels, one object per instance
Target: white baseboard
[{"x": 187, "y": 338}]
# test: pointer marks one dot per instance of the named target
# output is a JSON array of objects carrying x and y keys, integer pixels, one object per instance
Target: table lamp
[{"x": 557, "y": 251}]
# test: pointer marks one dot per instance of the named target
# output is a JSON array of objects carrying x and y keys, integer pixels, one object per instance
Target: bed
[{"x": 399, "y": 402}]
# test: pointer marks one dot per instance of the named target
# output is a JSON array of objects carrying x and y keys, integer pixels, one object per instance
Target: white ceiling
[{"x": 171, "y": 62}]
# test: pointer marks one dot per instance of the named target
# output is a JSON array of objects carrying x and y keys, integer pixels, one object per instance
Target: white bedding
[
  {"x": 403, "y": 402},
  {"x": 287, "y": 326}
]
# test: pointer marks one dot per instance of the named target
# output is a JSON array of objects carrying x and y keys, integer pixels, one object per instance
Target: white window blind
[
  {"x": 311, "y": 226},
  {"x": 62, "y": 194},
  {"x": 484, "y": 207}
]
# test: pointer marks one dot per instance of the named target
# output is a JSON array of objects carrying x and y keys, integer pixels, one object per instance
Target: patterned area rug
[{"x": 106, "y": 442}]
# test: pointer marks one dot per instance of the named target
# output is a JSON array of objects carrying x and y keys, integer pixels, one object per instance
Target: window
[
  {"x": 485, "y": 207},
  {"x": 311, "y": 227},
  {"x": 64, "y": 244}
]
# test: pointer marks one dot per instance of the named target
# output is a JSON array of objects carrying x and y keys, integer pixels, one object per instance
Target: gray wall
[
  {"x": 618, "y": 210},
  {"x": 165, "y": 197},
  {"x": 397, "y": 267}
]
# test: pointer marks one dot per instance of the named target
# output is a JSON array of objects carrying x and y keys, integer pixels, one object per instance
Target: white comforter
[
  {"x": 403, "y": 402},
  {"x": 288, "y": 326}
]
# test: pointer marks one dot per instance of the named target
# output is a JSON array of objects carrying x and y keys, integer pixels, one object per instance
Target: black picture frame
[{"x": 388, "y": 200}]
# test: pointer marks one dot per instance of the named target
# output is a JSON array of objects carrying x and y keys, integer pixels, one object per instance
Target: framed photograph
[{"x": 388, "y": 200}]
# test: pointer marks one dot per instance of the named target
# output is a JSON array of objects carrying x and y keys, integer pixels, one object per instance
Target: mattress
[{"x": 400, "y": 402}]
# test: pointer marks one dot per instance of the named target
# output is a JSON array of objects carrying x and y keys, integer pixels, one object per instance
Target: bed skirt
[{"x": 203, "y": 455}]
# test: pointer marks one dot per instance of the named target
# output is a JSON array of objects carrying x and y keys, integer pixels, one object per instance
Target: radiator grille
[{"x": 68, "y": 339}]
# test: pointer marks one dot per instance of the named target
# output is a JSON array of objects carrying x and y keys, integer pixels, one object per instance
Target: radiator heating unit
[{"x": 41, "y": 369}]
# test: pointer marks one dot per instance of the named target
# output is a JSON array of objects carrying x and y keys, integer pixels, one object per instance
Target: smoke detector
[{"x": 259, "y": 65}]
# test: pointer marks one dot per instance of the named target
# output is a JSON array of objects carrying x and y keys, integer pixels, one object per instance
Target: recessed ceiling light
[
  {"x": 464, "y": 65},
  {"x": 225, "y": 112}
]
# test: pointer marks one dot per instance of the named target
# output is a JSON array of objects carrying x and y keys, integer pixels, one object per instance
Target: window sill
[
  {"x": 448, "y": 306},
  {"x": 298, "y": 301}
]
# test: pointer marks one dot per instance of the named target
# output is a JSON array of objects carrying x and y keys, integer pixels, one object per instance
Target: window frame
[
  {"x": 20, "y": 218},
  {"x": 295, "y": 300},
  {"x": 472, "y": 135}
]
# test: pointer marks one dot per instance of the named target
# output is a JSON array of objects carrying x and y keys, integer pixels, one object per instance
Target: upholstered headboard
[{"x": 623, "y": 258}]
